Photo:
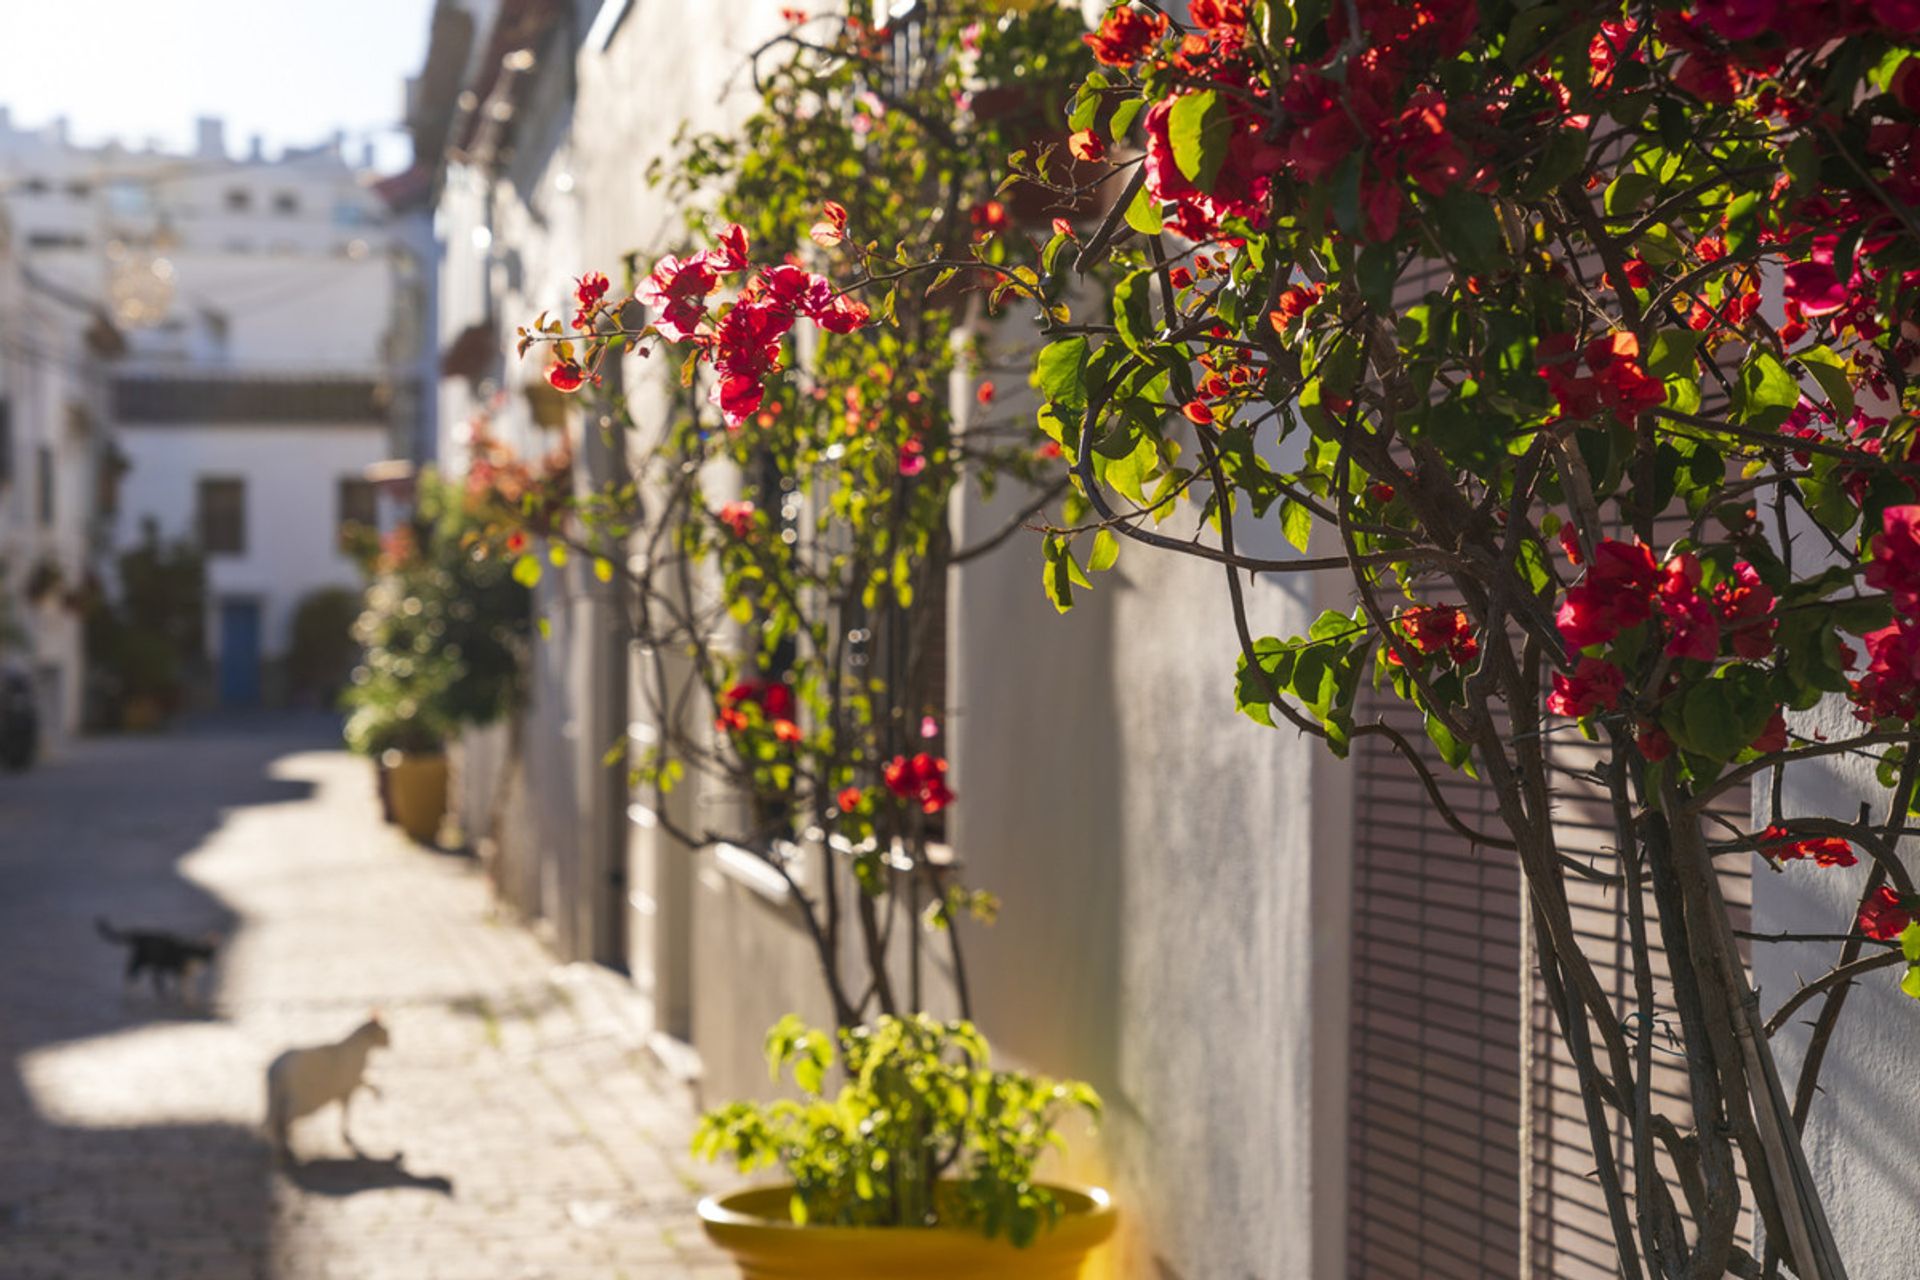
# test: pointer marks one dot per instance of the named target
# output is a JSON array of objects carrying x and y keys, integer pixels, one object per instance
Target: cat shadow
[{"x": 342, "y": 1177}]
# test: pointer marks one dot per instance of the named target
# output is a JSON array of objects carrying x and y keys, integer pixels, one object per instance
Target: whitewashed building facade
[{"x": 262, "y": 372}]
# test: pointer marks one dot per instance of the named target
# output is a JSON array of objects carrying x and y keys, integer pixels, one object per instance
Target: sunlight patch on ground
[{"x": 186, "y": 1073}]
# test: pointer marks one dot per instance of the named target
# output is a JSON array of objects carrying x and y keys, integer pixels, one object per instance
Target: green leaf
[
  {"x": 1106, "y": 550},
  {"x": 1743, "y": 217},
  {"x": 1452, "y": 750},
  {"x": 1910, "y": 984},
  {"x": 1056, "y": 577},
  {"x": 1626, "y": 192},
  {"x": 1296, "y": 522},
  {"x": 1133, "y": 311},
  {"x": 1059, "y": 372},
  {"x": 1123, "y": 117},
  {"x": 1198, "y": 127},
  {"x": 1143, "y": 214},
  {"x": 526, "y": 571},
  {"x": 1469, "y": 231},
  {"x": 1767, "y": 392},
  {"x": 1830, "y": 371},
  {"x": 1910, "y": 943}
]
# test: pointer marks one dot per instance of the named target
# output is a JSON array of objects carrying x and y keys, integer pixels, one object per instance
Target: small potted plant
[
  {"x": 920, "y": 1163},
  {"x": 442, "y": 633}
]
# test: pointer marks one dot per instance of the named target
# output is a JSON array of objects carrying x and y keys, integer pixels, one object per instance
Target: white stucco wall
[
  {"x": 292, "y": 521},
  {"x": 1166, "y": 931},
  {"x": 1864, "y": 1125}
]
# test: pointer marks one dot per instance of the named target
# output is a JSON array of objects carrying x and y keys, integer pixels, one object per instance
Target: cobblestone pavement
[{"x": 521, "y": 1132}]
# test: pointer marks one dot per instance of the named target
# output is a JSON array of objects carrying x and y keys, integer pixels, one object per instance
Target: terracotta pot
[
  {"x": 142, "y": 713},
  {"x": 417, "y": 785},
  {"x": 754, "y": 1229}
]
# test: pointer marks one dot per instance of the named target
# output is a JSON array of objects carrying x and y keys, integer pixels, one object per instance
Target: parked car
[{"x": 19, "y": 720}]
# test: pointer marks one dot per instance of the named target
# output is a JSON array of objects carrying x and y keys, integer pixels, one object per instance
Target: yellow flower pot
[
  {"x": 753, "y": 1227},
  {"x": 417, "y": 785}
]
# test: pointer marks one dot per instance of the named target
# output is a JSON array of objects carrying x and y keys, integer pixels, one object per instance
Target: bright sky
[{"x": 292, "y": 70}]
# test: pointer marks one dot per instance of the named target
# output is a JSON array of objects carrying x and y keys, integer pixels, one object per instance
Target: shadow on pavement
[
  {"x": 349, "y": 1177},
  {"x": 98, "y": 1175}
]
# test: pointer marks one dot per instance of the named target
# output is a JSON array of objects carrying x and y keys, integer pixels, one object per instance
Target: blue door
[{"x": 239, "y": 653}]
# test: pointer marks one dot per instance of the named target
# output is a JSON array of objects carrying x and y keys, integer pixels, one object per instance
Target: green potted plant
[
  {"x": 922, "y": 1132},
  {"x": 443, "y": 633},
  {"x": 146, "y": 643}
]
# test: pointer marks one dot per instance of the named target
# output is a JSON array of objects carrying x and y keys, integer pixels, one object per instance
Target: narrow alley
[{"x": 521, "y": 1131}]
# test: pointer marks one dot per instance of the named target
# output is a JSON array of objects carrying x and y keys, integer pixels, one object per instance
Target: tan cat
[{"x": 301, "y": 1081}]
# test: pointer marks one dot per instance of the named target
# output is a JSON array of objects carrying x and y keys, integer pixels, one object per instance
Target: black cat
[{"x": 167, "y": 957}]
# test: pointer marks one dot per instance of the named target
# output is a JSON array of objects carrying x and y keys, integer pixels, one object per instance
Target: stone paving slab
[{"x": 522, "y": 1132}]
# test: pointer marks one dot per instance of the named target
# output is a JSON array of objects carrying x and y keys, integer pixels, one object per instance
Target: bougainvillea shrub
[{"x": 1581, "y": 339}]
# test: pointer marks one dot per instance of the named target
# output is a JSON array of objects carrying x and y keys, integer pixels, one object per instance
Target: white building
[
  {"x": 261, "y": 377},
  {"x": 56, "y": 463}
]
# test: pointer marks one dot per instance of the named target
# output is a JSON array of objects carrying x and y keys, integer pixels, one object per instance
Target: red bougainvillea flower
[
  {"x": 677, "y": 291},
  {"x": 1895, "y": 567},
  {"x": 730, "y": 250},
  {"x": 1433, "y": 630},
  {"x": 1883, "y": 917},
  {"x": 1087, "y": 145},
  {"x": 1745, "y": 605},
  {"x": 1811, "y": 286},
  {"x": 1616, "y": 381},
  {"x": 843, "y": 315},
  {"x": 1825, "y": 851},
  {"x": 985, "y": 393},
  {"x": 1198, "y": 412},
  {"x": 1240, "y": 186},
  {"x": 774, "y": 697},
  {"x": 850, "y": 799},
  {"x": 1061, "y": 227},
  {"x": 921, "y": 779},
  {"x": 1693, "y": 628},
  {"x": 1380, "y": 491},
  {"x": 787, "y": 730},
  {"x": 1654, "y": 744},
  {"x": 738, "y": 516},
  {"x": 1049, "y": 450},
  {"x": 989, "y": 217},
  {"x": 1617, "y": 594},
  {"x": 1292, "y": 304},
  {"x": 1126, "y": 35},
  {"x": 832, "y": 227},
  {"x": 565, "y": 375},
  {"x": 1594, "y": 686},
  {"x": 1890, "y": 689},
  {"x": 1774, "y": 737},
  {"x": 588, "y": 291},
  {"x": 913, "y": 457}
]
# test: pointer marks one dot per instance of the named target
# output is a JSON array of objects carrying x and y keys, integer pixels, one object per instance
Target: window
[
  {"x": 223, "y": 515},
  {"x": 128, "y": 199},
  {"x": 239, "y": 200},
  {"x": 286, "y": 202},
  {"x": 43, "y": 468},
  {"x": 358, "y": 503}
]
